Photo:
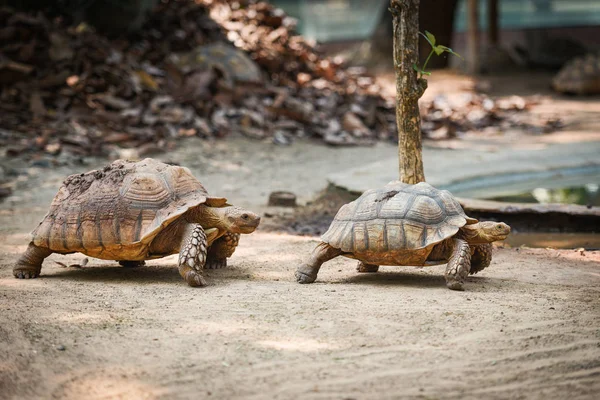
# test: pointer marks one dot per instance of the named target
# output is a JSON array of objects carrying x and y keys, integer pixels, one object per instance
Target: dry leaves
[{"x": 197, "y": 68}]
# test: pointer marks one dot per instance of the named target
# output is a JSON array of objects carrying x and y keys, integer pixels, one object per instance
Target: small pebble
[{"x": 61, "y": 347}]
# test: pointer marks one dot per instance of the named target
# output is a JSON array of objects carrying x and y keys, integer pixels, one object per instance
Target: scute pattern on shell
[
  {"x": 396, "y": 217},
  {"x": 124, "y": 205}
]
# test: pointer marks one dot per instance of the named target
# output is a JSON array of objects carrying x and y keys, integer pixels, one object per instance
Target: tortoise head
[
  {"x": 239, "y": 220},
  {"x": 485, "y": 232}
]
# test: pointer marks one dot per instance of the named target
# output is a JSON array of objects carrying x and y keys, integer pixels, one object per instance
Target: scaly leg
[
  {"x": 192, "y": 255},
  {"x": 221, "y": 250},
  {"x": 307, "y": 272},
  {"x": 132, "y": 264},
  {"x": 458, "y": 265},
  {"x": 364, "y": 267},
  {"x": 29, "y": 264},
  {"x": 481, "y": 257}
]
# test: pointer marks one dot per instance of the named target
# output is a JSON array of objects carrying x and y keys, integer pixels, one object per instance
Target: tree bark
[{"x": 409, "y": 88}]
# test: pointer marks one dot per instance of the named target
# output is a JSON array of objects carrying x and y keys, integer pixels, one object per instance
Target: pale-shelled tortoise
[{"x": 403, "y": 224}]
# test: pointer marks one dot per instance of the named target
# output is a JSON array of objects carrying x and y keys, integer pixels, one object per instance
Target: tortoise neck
[
  {"x": 209, "y": 217},
  {"x": 472, "y": 234}
]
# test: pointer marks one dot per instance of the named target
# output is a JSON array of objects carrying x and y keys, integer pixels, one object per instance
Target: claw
[
  {"x": 301, "y": 277},
  {"x": 23, "y": 273},
  {"x": 306, "y": 274},
  {"x": 194, "y": 279},
  {"x": 215, "y": 264},
  {"x": 455, "y": 285}
]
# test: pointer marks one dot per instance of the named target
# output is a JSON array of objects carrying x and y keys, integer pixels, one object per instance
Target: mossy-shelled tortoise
[{"x": 136, "y": 211}]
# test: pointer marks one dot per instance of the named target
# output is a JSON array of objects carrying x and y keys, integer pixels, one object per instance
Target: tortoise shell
[
  {"x": 579, "y": 76},
  {"x": 116, "y": 212},
  {"x": 397, "y": 217}
]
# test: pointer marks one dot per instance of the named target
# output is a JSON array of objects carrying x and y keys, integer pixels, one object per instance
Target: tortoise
[
  {"x": 136, "y": 211},
  {"x": 580, "y": 76},
  {"x": 402, "y": 224}
]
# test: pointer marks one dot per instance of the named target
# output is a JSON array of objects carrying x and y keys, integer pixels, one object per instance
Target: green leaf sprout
[{"x": 437, "y": 49}]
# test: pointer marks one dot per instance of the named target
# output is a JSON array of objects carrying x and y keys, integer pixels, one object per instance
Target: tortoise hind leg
[
  {"x": 192, "y": 255},
  {"x": 132, "y": 264},
  {"x": 29, "y": 265},
  {"x": 481, "y": 257},
  {"x": 458, "y": 265},
  {"x": 221, "y": 250},
  {"x": 307, "y": 271},
  {"x": 364, "y": 267}
]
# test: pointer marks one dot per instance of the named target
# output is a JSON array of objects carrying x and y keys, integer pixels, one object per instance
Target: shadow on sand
[
  {"x": 140, "y": 275},
  {"x": 416, "y": 280}
]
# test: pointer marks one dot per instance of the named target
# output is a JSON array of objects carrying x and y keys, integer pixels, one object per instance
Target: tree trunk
[
  {"x": 409, "y": 88},
  {"x": 473, "y": 36},
  {"x": 493, "y": 38}
]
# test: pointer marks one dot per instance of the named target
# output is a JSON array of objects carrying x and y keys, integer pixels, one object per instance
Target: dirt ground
[{"x": 526, "y": 327}]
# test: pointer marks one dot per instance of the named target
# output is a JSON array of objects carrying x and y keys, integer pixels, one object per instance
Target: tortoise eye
[
  {"x": 244, "y": 216},
  {"x": 499, "y": 226}
]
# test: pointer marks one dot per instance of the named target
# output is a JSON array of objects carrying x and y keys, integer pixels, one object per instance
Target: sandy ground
[{"x": 526, "y": 327}]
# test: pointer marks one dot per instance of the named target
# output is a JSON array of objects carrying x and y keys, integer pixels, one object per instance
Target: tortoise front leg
[
  {"x": 307, "y": 272},
  {"x": 29, "y": 264},
  {"x": 364, "y": 267},
  {"x": 221, "y": 250},
  {"x": 481, "y": 257},
  {"x": 192, "y": 255},
  {"x": 458, "y": 265}
]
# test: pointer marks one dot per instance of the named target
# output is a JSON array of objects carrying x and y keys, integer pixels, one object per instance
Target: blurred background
[{"x": 529, "y": 33}]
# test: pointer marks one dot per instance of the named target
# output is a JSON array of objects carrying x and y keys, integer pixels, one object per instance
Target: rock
[
  {"x": 282, "y": 199},
  {"x": 281, "y": 138},
  {"x": 351, "y": 123}
]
